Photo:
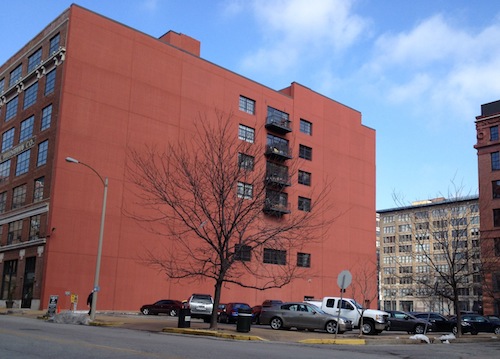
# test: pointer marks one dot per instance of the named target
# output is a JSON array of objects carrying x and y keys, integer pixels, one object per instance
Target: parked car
[
  {"x": 166, "y": 306},
  {"x": 220, "y": 308},
  {"x": 302, "y": 316},
  {"x": 257, "y": 309},
  {"x": 271, "y": 302},
  {"x": 444, "y": 324},
  {"x": 230, "y": 314},
  {"x": 493, "y": 317},
  {"x": 482, "y": 324},
  {"x": 403, "y": 321},
  {"x": 201, "y": 306}
]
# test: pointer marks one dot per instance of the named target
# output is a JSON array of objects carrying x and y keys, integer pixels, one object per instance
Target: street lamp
[{"x": 101, "y": 235}]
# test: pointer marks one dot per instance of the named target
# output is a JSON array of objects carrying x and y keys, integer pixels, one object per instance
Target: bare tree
[
  {"x": 223, "y": 207},
  {"x": 364, "y": 286}
]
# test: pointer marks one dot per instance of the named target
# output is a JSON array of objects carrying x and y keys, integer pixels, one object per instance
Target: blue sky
[{"x": 417, "y": 71}]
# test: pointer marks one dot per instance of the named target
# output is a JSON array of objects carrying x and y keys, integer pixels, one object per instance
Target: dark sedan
[
  {"x": 443, "y": 324},
  {"x": 402, "y": 321},
  {"x": 165, "y": 306},
  {"x": 482, "y": 324}
]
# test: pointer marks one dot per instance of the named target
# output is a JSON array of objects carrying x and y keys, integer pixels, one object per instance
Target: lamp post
[{"x": 101, "y": 235}]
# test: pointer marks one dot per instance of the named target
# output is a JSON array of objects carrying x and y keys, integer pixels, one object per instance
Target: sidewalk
[{"x": 168, "y": 324}]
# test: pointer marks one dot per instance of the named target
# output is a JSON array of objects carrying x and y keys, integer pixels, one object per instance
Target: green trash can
[{"x": 244, "y": 320}]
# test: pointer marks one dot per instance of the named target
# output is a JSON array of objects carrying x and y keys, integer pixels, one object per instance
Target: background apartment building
[
  {"x": 420, "y": 245},
  {"x": 488, "y": 155},
  {"x": 92, "y": 89}
]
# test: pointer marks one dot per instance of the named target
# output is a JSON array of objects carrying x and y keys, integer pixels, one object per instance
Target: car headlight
[
  {"x": 341, "y": 321},
  {"x": 466, "y": 324}
]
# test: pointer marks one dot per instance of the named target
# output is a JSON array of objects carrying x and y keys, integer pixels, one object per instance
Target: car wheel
[
  {"x": 474, "y": 331},
  {"x": 419, "y": 329},
  {"x": 331, "y": 327},
  {"x": 145, "y": 311},
  {"x": 173, "y": 312},
  {"x": 368, "y": 328},
  {"x": 497, "y": 331},
  {"x": 454, "y": 329},
  {"x": 276, "y": 323}
]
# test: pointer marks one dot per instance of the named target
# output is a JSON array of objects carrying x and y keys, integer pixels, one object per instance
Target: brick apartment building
[
  {"x": 91, "y": 88},
  {"x": 488, "y": 155}
]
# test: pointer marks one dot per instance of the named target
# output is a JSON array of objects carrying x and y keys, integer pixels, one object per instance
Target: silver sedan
[{"x": 302, "y": 316}]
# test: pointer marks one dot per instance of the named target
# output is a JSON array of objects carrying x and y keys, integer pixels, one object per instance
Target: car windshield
[
  {"x": 357, "y": 305},
  {"x": 317, "y": 309}
]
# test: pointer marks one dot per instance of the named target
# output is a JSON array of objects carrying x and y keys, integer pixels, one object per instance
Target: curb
[
  {"x": 334, "y": 341},
  {"x": 212, "y": 333}
]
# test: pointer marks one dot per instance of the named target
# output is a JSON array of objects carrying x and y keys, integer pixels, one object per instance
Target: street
[{"x": 30, "y": 338}]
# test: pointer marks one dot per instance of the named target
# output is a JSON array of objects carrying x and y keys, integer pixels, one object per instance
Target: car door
[
  {"x": 348, "y": 311},
  {"x": 307, "y": 317},
  {"x": 398, "y": 321},
  {"x": 480, "y": 323}
]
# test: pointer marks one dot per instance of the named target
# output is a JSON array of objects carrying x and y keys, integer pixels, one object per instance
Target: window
[
  {"x": 245, "y": 190},
  {"x": 274, "y": 256},
  {"x": 46, "y": 117},
  {"x": 277, "y": 200},
  {"x": 15, "y": 232},
  {"x": 11, "y": 108},
  {"x": 388, "y": 250},
  {"x": 242, "y": 253},
  {"x": 496, "y": 217},
  {"x": 304, "y": 178},
  {"x": 26, "y": 129},
  {"x": 247, "y": 105},
  {"x": 42, "y": 153},
  {"x": 305, "y": 152},
  {"x": 38, "y": 189},
  {"x": 406, "y": 280},
  {"x": 304, "y": 260},
  {"x": 246, "y": 133},
  {"x": 50, "y": 82},
  {"x": 7, "y": 139},
  {"x": 30, "y": 95},
  {"x": 8, "y": 278},
  {"x": 4, "y": 171},
  {"x": 305, "y": 127},
  {"x": 495, "y": 161},
  {"x": 278, "y": 117},
  {"x": 19, "y": 196},
  {"x": 404, "y": 228},
  {"x": 54, "y": 44},
  {"x": 246, "y": 162},
  {"x": 277, "y": 145},
  {"x": 23, "y": 162},
  {"x": 497, "y": 247},
  {"x": 405, "y": 248},
  {"x": 304, "y": 204},
  {"x": 407, "y": 269},
  {"x": 494, "y": 133},
  {"x": 34, "y": 227},
  {"x": 35, "y": 60},
  {"x": 496, "y": 189},
  {"x": 3, "y": 202},
  {"x": 2, "y": 85},
  {"x": 15, "y": 75}
]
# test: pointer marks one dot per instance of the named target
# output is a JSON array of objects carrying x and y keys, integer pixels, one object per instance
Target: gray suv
[{"x": 201, "y": 306}]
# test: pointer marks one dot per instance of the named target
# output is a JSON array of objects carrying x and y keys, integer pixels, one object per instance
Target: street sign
[{"x": 344, "y": 279}]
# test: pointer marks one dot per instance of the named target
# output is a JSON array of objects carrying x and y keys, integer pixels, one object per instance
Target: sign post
[{"x": 343, "y": 280}]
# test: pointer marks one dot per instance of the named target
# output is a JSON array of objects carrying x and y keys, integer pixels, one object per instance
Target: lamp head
[{"x": 72, "y": 160}]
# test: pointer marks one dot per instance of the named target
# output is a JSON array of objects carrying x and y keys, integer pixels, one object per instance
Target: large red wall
[{"x": 124, "y": 89}]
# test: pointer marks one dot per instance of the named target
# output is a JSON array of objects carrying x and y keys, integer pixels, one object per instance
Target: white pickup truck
[{"x": 374, "y": 321}]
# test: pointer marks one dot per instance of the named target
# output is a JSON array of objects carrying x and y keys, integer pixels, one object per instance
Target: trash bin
[
  {"x": 244, "y": 320},
  {"x": 184, "y": 318}
]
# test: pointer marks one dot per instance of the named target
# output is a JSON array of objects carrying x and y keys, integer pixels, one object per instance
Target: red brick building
[
  {"x": 91, "y": 88},
  {"x": 488, "y": 154}
]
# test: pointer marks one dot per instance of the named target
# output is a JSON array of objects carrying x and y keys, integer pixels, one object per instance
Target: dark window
[
  {"x": 15, "y": 75},
  {"x": 305, "y": 152},
  {"x": 277, "y": 144},
  {"x": 275, "y": 199},
  {"x": 304, "y": 178},
  {"x": 34, "y": 227},
  {"x": 496, "y": 217},
  {"x": 242, "y": 253},
  {"x": 23, "y": 162},
  {"x": 246, "y": 162},
  {"x": 8, "y": 278},
  {"x": 304, "y": 260},
  {"x": 493, "y": 133},
  {"x": 8, "y": 139},
  {"x": 496, "y": 189},
  {"x": 3, "y": 202},
  {"x": 42, "y": 153},
  {"x": 38, "y": 190},
  {"x": 15, "y": 232},
  {"x": 34, "y": 60},
  {"x": 304, "y": 204},
  {"x": 50, "y": 82},
  {"x": 46, "y": 117},
  {"x": 11, "y": 108},
  {"x": 246, "y": 133},
  {"x": 26, "y": 129},
  {"x": 497, "y": 247},
  {"x": 4, "y": 171},
  {"x": 305, "y": 127},
  {"x": 2, "y": 85},
  {"x": 274, "y": 256},
  {"x": 19, "y": 196},
  {"x": 247, "y": 105},
  {"x": 277, "y": 116},
  {"x": 54, "y": 44},
  {"x": 30, "y": 95},
  {"x": 245, "y": 190},
  {"x": 495, "y": 161}
]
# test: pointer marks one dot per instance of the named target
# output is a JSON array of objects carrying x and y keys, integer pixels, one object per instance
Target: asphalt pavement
[{"x": 162, "y": 323}]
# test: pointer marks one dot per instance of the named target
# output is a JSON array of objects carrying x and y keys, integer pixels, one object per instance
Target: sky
[{"x": 418, "y": 71}]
